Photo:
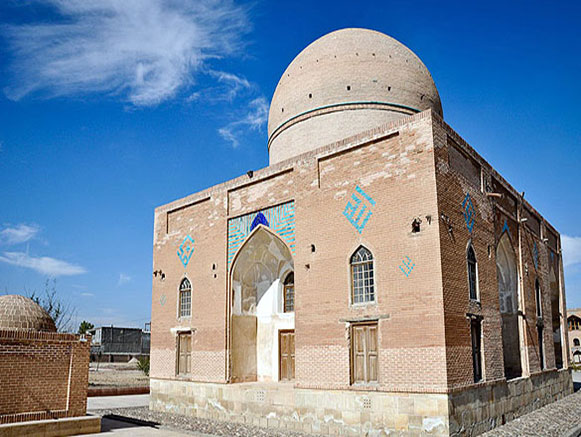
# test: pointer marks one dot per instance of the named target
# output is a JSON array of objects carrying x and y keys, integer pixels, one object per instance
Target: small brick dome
[
  {"x": 344, "y": 83},
  {"x": 21, "y": 313}
]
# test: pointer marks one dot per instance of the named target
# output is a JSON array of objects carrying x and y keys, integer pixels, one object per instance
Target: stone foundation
[
  {"x": 476, "y": 410},
  {"x": 469, "y": 412},
  {"x": 328, "y": 412}
]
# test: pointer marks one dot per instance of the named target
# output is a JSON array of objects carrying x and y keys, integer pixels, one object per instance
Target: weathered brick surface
[
  {"x": 42, "y": 375},
  {"x": 424, "y": 333}
]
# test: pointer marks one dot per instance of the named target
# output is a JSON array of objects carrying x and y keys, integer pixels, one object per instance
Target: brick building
[
  {"x": 574, "y": 326},
  {"x": 43, "y": 374},
  {"x": 378, "y": 276}
]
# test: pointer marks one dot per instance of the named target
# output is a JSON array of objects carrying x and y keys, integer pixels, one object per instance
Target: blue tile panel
[
  {"x": 358, "y": 204},
  {"x": 186, "y": 250},
  {"x": 468, "y": 212},
  {"x": 407, "y": 266},
  {"x": 505, "y": 227},
  {"x": 280, "y": 219}
]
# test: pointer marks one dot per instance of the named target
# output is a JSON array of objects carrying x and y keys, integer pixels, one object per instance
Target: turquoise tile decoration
[
  {"x": 356, "y": 212},
  {"x": 407, "y": 266},
  {"x": 468, "y": 212},
  {"x": 186, "y": 250},
  {"x": 505, "y": 227},
  {"x": 280, "y": 219}
]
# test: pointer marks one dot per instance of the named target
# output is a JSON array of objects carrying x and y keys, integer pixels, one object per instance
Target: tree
[
  {"x": 61, "y": 312},
  {"x": 85, "y": 327}
]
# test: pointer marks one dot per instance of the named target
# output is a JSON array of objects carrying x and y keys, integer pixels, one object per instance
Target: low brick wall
[
  {"x": 116, "y": 391},
  {"x": 53, "y": 428},
  {"x": 280, "y": 405},
  {"x": 43, "y": 375},
  {"x": 474, "y": 411}
]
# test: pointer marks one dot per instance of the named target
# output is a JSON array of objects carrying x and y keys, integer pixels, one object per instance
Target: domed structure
[
  {"x": 23, "y": 314},
  {"x": 346, "y": 82}
]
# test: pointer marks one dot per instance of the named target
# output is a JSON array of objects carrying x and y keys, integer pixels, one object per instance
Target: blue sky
[{"x": 111, "y": 108}]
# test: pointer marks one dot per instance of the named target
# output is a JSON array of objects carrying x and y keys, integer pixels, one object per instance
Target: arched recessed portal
[
  {"x": 258, "y": 314},
  {"x": 508, "y": 294},
  {"x": 556, "y": 318}
]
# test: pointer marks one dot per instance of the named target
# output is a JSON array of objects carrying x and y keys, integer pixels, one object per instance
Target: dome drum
[{"x": 343, "y": 73}]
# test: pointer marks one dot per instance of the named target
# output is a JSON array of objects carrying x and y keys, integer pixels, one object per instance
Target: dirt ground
[{"x": 116, "y": 375}]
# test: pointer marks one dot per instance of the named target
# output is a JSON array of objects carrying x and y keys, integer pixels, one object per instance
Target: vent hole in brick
[
  {"x": 389, "y": 88},
  {"x": 213, "y": 266},
  {"x": 416, "y": 225},
  {"x": 310, "y": 96},
  {"x": 348, "y": 87},
  {"x": 366, "y": 403},
  {"x": 282, "y": 110},
  {"x": 313, "y": 248}
]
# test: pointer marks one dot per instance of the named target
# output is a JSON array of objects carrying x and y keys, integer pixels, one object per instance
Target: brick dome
[
  {"x": 21, "y": 313},
  {"x": 346, "y": 82}
]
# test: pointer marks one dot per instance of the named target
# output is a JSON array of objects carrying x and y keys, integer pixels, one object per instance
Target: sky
[{"x": 110, "y": 108}]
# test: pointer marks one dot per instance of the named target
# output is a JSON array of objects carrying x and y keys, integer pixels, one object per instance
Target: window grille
[
  {"x": 362, "y": 281},
  {"x": 289, "y": 293},
  {"x": 472, "y": 273},
  {"x": 185, "y": 298}
]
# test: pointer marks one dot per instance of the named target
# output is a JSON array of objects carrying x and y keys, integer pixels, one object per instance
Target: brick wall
[
  {"x": 456, "y": 177},
  {"x": 407, "y": 168},
  {"x": 393, "y": 164},
  {"x": 42, "y": 375}
]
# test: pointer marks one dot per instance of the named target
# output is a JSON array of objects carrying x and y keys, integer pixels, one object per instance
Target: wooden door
[
  {"x": 184, "y": 354},
  {"x": 286, "y": 351},
  {"x": 364, "y": 353}
]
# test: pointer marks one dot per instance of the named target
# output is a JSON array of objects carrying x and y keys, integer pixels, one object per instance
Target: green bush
[{"x": 143, "y": 365}]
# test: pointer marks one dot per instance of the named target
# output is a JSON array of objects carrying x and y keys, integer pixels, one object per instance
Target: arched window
[
  {"x": 289, "y": 293},
  {"x": 362, "y": 284},
  {"x": 538, "y": 298},
  {"x": 576, "y": 342},
  {"x": 185, "y": 298},
  {"x": 472, "y": 272}
]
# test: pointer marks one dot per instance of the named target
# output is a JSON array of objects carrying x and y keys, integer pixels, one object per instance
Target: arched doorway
[
  {"x": 258, "y": 316},
  {"x": 556, "y": 318},
  {"x": 508, "y": 294}
]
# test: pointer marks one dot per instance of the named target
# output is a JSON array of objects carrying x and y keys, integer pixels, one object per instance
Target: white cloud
[
  {"x": 145, "y": 51},
  {"x": 45, "y": 265},
  {"x": 571, "y": 250},
  {"x": 87, "y": 294},
  {"x": 17, "y": 234},
  {"x": 254, "y": 119},
  {"x": 233, "y": 84},
  {"x": 123, "y": 279}
]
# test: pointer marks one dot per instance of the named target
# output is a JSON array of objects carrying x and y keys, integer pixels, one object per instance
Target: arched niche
[
  {"x": 556, "y": 317},
  {"x": 507, "y": 275},
  {"x": 257, "y": 313}
]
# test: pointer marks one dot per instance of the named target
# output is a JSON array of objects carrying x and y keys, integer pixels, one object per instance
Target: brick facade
[
  {"x": 413, "y": 168},
  {"x": 43, "y": 375}
]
